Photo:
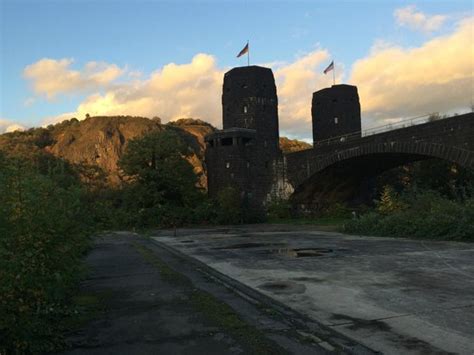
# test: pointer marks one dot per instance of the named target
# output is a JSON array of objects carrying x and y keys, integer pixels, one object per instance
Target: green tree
[{"x": 163, "y": 188}]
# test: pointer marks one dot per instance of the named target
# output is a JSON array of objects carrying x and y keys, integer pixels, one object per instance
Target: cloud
[
  {"x": 173, "y": 91},
  {"x": 9, "y": 126},
  {"x": 437, "y": 76},
  {"x": 51, "y": 77},
  {"x": 296, "y": 83},
  {"x": 416, "y": 20}
]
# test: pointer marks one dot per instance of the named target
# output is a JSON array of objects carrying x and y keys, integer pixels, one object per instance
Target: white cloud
[
  {"x": 50, "y": 77},
  {"x": 410, "y": 17},
  {"x": 29, "y": 102},
  {"x": 437, "y": 76},
  {"x": 173, "y": 91},
  {"x": 9, "y": 126}
]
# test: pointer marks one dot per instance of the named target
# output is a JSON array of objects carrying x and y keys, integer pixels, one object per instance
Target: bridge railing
[{"x": 409, "y": 122}]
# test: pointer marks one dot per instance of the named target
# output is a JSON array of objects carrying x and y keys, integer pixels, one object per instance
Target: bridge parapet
[{"x": 414, "y": 128}]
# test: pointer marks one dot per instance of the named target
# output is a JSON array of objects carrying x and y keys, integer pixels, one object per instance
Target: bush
[
  {"x": 426, "y": 215},
  {"x": 229, "y": 205},
  {"x": 279, "y": 209},
  {"x": 43, "y": 233}
]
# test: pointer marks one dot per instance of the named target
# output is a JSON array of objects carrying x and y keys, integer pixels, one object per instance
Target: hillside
[{"x": 100, "y": 141}]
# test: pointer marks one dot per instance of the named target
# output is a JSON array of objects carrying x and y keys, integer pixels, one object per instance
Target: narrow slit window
[
  {"x": 336, "y": 120},
  {"x": 245, "y": 109}
]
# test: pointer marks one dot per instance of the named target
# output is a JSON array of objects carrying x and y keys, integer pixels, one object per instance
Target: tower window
[
  {"x": 245, "y": 109},
  {"x": 336, "y": 120},
  {"x": 227, "y": 165}
]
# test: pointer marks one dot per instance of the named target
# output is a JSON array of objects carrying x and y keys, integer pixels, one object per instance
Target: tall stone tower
[
  {"x": 335, "y": 112},
  {"x": 249, "y": 100},
  {"x": 241, "y": 155}
]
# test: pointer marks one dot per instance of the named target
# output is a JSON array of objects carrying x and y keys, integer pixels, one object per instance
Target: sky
[{"x": 68, "y": 58}]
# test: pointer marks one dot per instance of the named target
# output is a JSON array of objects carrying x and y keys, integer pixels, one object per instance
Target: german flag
[
  {"x": 329, "y": 68},
  {"x": 243, "y": 51}
]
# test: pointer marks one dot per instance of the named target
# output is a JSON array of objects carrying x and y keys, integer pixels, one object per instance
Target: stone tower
[
  {"x": 241, "y": 155},
  {"x": 335, "y": 112}
]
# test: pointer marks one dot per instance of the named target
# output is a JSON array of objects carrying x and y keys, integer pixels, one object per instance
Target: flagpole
[
  {"x": 333, "y": 74},
  {"x": 248, "y": 54}
]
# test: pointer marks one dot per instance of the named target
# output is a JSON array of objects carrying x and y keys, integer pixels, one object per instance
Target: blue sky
[{"x": 141, "y": 37}]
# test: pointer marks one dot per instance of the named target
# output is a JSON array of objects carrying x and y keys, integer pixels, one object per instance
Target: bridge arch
[{"x": 326, "y": 174}]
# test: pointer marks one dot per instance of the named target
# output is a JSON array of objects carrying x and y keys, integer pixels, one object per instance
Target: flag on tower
[
  {"x": 329, "y": 68},
  {"x": 243, "y": 51}
]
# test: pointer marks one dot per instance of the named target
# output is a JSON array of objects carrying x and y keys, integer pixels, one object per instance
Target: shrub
[
  {"x": 279, "y": 209},
  {"x": 425, "y": 215},
  {"x": 229, "y": 204},
  {"x": 43, "y": 228}
]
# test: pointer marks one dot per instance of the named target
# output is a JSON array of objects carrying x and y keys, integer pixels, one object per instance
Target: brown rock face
[
  {"x": 293, "y": 145},
  {"x": 100, "y": 141}
]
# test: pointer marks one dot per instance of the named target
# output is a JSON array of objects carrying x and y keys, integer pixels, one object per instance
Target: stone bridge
[{"x": 344, "y": 162}]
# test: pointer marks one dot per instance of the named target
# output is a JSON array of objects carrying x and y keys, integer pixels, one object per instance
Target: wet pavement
[{"x": 396, "y": 296}]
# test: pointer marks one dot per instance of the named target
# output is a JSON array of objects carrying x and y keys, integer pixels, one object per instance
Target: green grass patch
[
  {"x": 167, "y": 273},
  {"x": 225, "y": 317}
]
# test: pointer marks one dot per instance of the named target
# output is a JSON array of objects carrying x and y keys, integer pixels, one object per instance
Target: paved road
[
  {"x": 155, "y": 302},
  {"x": 396, "y": 296}
]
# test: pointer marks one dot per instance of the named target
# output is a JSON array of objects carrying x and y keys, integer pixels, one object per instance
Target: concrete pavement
[{"x": 396, "y": 296}]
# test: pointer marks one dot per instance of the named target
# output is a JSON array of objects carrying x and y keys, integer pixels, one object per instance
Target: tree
[{"x": 163, "y": 188}]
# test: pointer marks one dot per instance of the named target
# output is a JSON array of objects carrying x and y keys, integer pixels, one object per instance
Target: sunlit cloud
[
  {"x": 7, "y": 126},
  {"x": 414, "y": 19},
  {"x": 296, "y": 82},
  {"x": 437, "y": 76},
  {"x": 174, "y": 91},
  {"x": 51, "y": 77}
]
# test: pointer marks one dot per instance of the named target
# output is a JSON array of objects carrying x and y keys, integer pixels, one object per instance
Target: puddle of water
[
  {"x": 283, "y": 287},
  {"x": 250, "y": 245},
  {"x": 303, "y": 252}
]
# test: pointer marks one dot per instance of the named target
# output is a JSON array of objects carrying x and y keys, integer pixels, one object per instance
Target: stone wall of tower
[
  {"x": 249, "y": 100},
  {"x": 335, "y": 112},
  {"x": 242, "y": 155}
]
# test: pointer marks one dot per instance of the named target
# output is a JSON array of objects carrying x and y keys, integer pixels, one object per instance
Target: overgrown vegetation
[
  {"x": 429, "y": 199},
  {"x": 422, "y": 214},
  {"x": 44, "y": 224}
]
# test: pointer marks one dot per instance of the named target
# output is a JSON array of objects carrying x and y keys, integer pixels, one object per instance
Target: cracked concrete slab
[{"x": 392, "y": 295}]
